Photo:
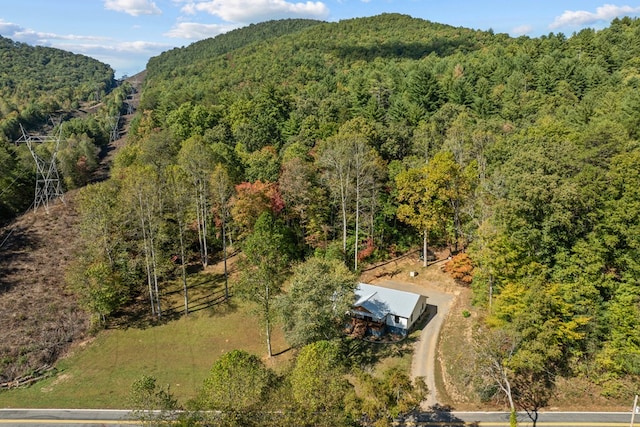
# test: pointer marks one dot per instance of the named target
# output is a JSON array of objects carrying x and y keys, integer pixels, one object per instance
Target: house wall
[
  {"x": 401, "y": 323},
  {"x": 420, "y": 308}
]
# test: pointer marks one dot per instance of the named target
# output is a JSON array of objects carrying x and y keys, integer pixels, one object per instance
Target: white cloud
[
  {"x": 522, "y": 30},
  {"x": 607, "y": 12},
  {"x": 8, "y": 28},
  {"x": 133, "y": 7},
  {"x": 196, "y": 31},
  {"x": 26, "y": 35},
  {"x": 251, "y": 11}
]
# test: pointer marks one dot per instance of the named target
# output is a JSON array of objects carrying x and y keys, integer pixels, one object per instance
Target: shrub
[{"x": 460, "y": 268}]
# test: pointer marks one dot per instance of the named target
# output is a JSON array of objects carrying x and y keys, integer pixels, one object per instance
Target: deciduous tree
[
  {"x": 389, "y": 396},
  {"x": 179, "y": 199},
  {"x": 319, "y": 386},
  {"x": 267, "y": 253},
  {"x": 196, "y": 158},
  {"x": 350, "y": 167},
  {"x": 320, "y": 293},
  {"x": 221, "y": 192},
  {"x": 252, "y": 200},
  {"x": 237, "y": 382}
]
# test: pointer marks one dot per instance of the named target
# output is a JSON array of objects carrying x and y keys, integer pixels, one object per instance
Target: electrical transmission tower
[
  {"x": 115, "y": 131},
  {"x": 48, "y": 185}
]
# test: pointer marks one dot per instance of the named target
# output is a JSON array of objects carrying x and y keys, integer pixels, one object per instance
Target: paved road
[
  {"x": 92, "y": 418},
  {"x": 66, "y": 417},
  {"x": 545, "y": 419}
]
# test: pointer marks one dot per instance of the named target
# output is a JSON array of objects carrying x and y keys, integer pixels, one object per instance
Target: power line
[
  {"x": 14, "y": 227},
  {"x": 10, "y": 185}
]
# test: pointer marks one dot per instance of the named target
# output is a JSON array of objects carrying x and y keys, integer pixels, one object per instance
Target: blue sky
[{"x": 126, "y": 33}]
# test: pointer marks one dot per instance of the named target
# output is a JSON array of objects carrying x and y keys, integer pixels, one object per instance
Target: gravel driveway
[{"x": 439, "y": 301}]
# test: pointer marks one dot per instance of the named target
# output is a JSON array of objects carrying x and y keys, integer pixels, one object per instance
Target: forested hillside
[
  {"x": 38, "y": 84},
  {"x": 357, "y": 140},
  {"x": 165, "y": 64}
]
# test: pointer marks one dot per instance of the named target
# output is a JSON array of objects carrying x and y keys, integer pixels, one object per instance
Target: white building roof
[{"x": 382, "y": 301}]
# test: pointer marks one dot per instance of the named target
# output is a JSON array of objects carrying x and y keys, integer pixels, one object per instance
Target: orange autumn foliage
[{"x": 460, "y": 268}]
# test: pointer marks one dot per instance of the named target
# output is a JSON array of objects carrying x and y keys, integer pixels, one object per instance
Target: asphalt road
[
  {"x": 545, "y": 419},
  {"x": 92, "y": 418},
  {"x": 66, "y": 417}
]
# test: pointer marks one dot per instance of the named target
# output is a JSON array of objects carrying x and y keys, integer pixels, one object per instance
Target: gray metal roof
[{"x": 381, "y": 301}]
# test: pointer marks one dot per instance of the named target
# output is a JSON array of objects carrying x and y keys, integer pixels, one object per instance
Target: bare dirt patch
[{"x": 40, "y": 318}]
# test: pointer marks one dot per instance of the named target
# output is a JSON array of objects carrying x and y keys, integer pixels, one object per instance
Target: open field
[{"x": 99, "y": 372}]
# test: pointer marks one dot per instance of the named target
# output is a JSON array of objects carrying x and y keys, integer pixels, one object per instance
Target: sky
[{"x": 126, "y": 33}]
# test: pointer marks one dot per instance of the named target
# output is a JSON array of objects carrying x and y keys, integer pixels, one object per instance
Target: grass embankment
[{"x": 178, "y": 353}]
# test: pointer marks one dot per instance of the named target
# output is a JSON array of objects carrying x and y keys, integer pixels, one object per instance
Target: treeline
[
  {"x": 241, "y": 390},
  {"x": 39, "y": 88},
  {"x": 366, "y": 137}
]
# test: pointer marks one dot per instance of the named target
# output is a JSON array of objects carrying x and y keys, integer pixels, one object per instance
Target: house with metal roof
[{"x": 396, "y": 310}]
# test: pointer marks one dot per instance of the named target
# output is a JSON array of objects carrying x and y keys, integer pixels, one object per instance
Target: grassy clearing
[{"x": 179, "y": 353}]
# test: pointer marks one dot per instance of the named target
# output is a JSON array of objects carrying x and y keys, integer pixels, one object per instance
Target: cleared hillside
[{"x": 40, "y": 317}]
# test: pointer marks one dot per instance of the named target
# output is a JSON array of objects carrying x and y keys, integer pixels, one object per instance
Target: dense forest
[
  {"x": 39, "y": 87},
  {"x": 304, "y": 142}
]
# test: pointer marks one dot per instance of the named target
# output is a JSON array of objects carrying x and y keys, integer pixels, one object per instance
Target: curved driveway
[{"x": 424, "y": 356}]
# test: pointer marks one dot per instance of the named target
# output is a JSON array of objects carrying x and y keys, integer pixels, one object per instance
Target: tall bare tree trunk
[
  {"x": 224, "y": 252},
  {"x": 268, "y": 321},
  {"x": 343, "y": 201},
  {"x": 425, "y": 248},
  {"x": 204, "y": 217},
  {"x": 201, "y": 219},
  {"x": 154, "y": 262},
  {"x": 184, "y": 269},
  {"x": 355, "y": 245},
  {"x": 146, "y": 255}
]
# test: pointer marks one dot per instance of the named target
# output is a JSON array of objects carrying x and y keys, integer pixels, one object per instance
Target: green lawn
[{"x": 179, "y": 354}]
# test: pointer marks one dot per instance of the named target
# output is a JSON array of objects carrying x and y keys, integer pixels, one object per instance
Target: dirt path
[
  {"x": 441, "y": 292},
  {"x": 108, "y": 152}
]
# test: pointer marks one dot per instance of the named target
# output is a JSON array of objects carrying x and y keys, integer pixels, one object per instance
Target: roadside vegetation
[{"x": 368, "y": 138}]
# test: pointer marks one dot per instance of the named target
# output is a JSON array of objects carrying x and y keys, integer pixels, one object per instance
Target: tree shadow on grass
[
  {"x": 136, "y": 314},
  {"x": 364, "y": 353},
  {"x": 279, "y": 353},
  {"x": 206, "y": 292}
]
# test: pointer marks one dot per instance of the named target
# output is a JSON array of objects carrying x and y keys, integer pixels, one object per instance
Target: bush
[{"x": 460, "y": 268}]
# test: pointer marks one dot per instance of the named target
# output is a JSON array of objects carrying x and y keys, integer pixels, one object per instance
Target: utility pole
[{"x": 634, "y": 410}]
